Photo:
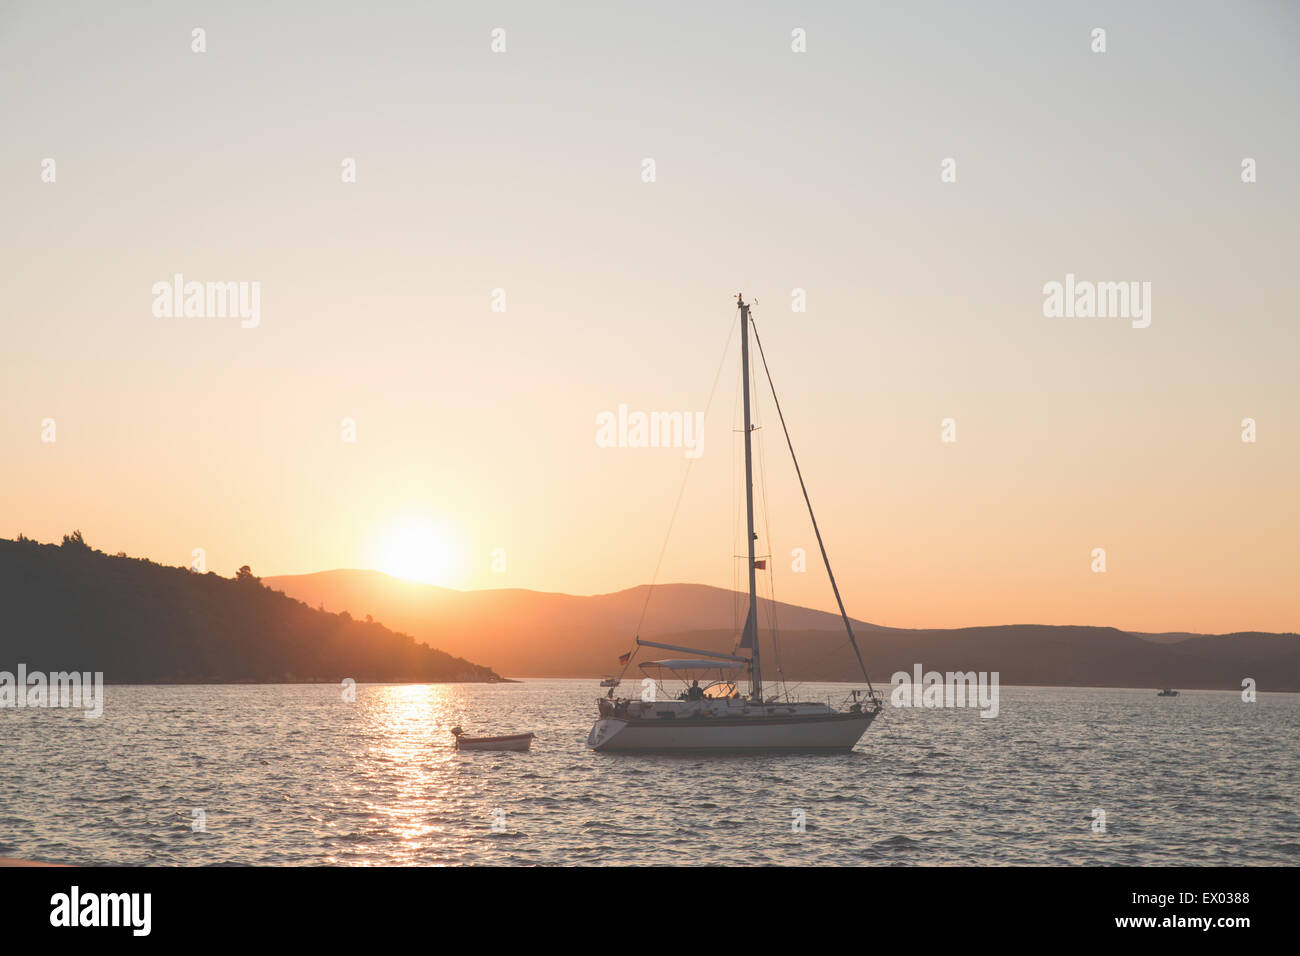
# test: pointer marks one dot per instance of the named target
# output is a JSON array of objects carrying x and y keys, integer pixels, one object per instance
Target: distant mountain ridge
[
  {"x": 70, "y": 608},
  {"x": 542, "y": 634}
]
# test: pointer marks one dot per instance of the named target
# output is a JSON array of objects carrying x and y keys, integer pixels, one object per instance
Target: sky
[{"x": 475, "y": 461}]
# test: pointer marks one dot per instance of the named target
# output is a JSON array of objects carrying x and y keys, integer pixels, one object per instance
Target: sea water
[{"x": 301, "y": 774}]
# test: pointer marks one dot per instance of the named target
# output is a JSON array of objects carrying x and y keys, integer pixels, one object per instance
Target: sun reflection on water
[{"x": 410, "y": 764}]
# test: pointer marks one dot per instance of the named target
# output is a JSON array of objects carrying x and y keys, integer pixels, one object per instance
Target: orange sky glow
[{"x": 437, "y": 340}]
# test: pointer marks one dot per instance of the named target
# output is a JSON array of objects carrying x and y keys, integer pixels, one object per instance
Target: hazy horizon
[{"x": 476, "y": 464}]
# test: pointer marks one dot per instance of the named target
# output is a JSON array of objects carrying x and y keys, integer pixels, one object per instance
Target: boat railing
[{"x": 870, "y": 700}]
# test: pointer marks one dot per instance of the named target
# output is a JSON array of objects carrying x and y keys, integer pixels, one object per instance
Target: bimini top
[{"x": 686, "y": 664}]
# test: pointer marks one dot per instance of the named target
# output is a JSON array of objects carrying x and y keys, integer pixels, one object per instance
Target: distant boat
[
  {"x": 1168, "y": 692},
  {"x": 717, "y": 717},
  {"x": 510, "y": 742},
  {"x": 609, "y": 682}
]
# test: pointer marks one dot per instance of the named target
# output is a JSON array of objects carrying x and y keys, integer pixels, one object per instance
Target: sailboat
[{"x": 717, "y": 716}]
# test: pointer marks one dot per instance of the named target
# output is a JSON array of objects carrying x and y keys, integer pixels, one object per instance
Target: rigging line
[
  {"x": 795, "y": 686},
  {"x": 654, "y": 579},
  {"x": 738, "y": 580},
  {"x": 817, "y": 531},
  {"x": 767, "y": 532},
  {"x": 735, "y": 521}
]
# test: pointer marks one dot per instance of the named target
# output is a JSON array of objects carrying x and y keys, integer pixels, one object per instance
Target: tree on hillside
[
  {"x": 245, "y": 576},
  {"x": 75, "y": 541}
]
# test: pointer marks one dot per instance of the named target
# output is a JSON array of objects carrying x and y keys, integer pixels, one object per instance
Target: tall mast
[{"x": 750, "y": 637}]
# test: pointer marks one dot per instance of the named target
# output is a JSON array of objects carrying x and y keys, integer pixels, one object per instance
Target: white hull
[{"x": 812, "y": 732}]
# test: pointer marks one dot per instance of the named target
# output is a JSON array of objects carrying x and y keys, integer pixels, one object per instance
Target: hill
[
  {"x": 1041, "y": 655},
  {"x": 536, "y": 634},
  {"x": 70, "y": 607},
  {"x": 540, "y": 634}
]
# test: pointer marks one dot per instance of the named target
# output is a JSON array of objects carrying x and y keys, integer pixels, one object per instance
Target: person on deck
[{"x": 695, "y": 693}]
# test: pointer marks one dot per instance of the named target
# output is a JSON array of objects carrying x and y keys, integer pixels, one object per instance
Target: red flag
[
  {"x": 624, "y": 658},
  {"x": 760, "y": 565}
]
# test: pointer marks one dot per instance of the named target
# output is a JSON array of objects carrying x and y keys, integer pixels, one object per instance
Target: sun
[{"x": 417, "y": 550}]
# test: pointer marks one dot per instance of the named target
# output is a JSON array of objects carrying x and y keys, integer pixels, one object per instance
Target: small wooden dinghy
[{"x": 510, "y": 742}]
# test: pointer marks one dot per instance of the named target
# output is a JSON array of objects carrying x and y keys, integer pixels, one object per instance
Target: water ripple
[{"x": 237, "y": 775}]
